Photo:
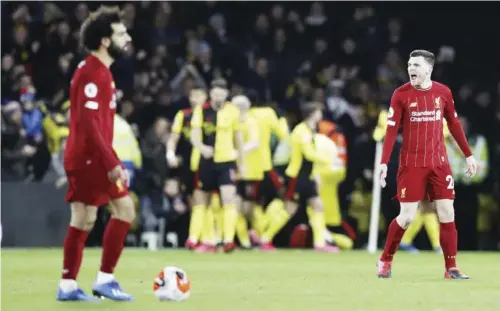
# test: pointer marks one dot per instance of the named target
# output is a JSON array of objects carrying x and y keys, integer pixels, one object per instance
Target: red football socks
[
  {"x": 74, "y": 244},
  {"x": 448, "y": 239},
  {"x": 394, "y": 236},
  {"x": 112, "y": 244}
]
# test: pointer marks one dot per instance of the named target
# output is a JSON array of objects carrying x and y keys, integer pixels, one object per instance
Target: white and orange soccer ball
[{"x": 172, "y": 284}]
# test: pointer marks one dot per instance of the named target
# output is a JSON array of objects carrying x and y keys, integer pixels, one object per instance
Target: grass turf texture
[{"x": 253, "y": 281}]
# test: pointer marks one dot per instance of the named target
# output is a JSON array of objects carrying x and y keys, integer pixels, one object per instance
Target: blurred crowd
[{"x": 346, "y": 55}]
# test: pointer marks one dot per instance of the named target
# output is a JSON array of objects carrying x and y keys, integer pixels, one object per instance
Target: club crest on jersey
[
  {"x": 437, "y": 102},
  {"x": 403, "y": 193}
]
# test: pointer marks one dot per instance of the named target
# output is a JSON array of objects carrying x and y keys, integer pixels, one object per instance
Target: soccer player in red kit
[
  {"x": 95, "y": 175},
  {"x": 424, "y": 171}
]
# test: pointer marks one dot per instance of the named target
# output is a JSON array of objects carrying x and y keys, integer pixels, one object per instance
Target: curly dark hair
[{"x": 98, "y": 26}]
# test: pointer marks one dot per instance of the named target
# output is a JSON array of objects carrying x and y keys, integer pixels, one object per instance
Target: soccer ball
[{"x": 172, "y": 284}]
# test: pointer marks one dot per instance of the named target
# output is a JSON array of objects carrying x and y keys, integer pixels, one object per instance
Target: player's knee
[
  {"x": 228, "y": 194},
  {"x": 81, "y": 215},
  {"x": 445, "y": 210},
  {"x": 90, "y": 221},
  {"x": 124, "y": 209},
  {"x": 199, "y": 197},
  {"x": 407, "y": 214}
]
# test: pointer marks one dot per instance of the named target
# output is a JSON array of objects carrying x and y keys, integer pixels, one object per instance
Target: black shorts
[
  {"x": 249, "y": 190},
  {"x": 211, "y": 176},
  {"x": 189, "y": 181},
  {"x": 300, "y": 189}
]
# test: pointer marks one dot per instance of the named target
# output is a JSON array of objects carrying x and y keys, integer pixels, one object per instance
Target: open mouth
[{"x": 413, "y": 76}]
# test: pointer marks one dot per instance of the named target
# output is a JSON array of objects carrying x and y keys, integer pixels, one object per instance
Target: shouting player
[
  {"x": 424, "y": 171},
  {"x": 95, "y": 175},
  {"x": 214, "y": 133}
]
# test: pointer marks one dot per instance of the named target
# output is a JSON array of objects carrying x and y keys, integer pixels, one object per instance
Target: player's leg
[
  {"x": 82, "y": 221},
  {"x": 412, "y": 184},
  {"x": 317, "y": 221},
  {"x": 122, "y": 215},
  {"x": 85, "y": 194},
  {"x": 228, "y": 193},
  {"x": 448, "y": 238},
  {"x": 208, "y": 239},
  {"x": 244, "y": 207},
  {"x": 197, "y": 222},
  {"x": 202, "y": 185},
  {"x": 443, "y": 193},
  {"x": 431, "y": 223},
  {"x": 255, "y": 213},
  {"x": 279, "y": 212},
  {"x": 412, "y": 231}
]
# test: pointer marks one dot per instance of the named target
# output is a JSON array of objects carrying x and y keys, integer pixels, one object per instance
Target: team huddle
[
  {"x": 230, "y": 174},
  {"x": 227, "y": 143}
]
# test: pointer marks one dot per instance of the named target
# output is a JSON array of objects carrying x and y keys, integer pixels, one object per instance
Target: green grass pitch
[{"x": 254, "y": 281}]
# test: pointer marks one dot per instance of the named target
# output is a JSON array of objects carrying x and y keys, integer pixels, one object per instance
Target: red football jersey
[
  {"x": 420, "y": 113},
  {"x": 92, "y": 110}
]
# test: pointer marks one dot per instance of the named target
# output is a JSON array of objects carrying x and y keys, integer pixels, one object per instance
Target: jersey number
[{"x": 451, "y": 183}]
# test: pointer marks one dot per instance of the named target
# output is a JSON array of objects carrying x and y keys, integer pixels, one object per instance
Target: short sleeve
[
  {"x": 91, "y": 92},
  {"x": 178, "y": 122},
  {"x": 197, "y": 118},
  {"x": 236, "y": 120},
  {"x": 395, "y": 111},
  {"x": 450, "y": 114}
]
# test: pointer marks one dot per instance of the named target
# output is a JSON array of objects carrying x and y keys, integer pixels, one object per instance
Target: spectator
[
  {"x": 15, "y": 149},
  {"x": 153, "y": 149},
  {"x": 32, "y": 118}
]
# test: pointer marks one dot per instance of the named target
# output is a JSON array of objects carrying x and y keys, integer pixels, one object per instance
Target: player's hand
[
  {"x": 471, "y": 166},
  {"x": 125, "y": 178},
  {"x": 116, "y": 173},
  {"x": 172, "y": 160},
  {"x": 383, "y": 174},
  {"x": 61, "y": 181},
  {"x": 207, "y": 152}
]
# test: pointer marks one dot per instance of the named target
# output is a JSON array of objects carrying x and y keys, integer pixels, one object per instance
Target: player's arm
[
  {"x": 279, "y": 127},
  {"x": 393, "y": 121},
  {"x": 305, "y": 141},
  {"x": 196, "y": 133},
  {"x": 92, "y": 100},
  {"x": 238, "y": 136},
  {"x": 174, "y": 136},
  {"x": 253, "y": 137},
  {"x": 454, "y": 126}
]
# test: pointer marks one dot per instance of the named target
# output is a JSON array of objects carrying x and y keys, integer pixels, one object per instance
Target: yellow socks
[
  {"x": 431, "y": 224},
  {"x": 259, "y": 221},
  {"x": 317, "y": 222},
  {"x": 196, "y": 223},
  {"x": 208, "y": 234},
  {"x": 230, "y": 219},
  {"x": 277, "y": 217},
  {"x": 218, "y": 217},
  {"x": 413, "y": 229},
  {"x": 242, "y": 231}
]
